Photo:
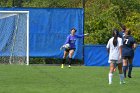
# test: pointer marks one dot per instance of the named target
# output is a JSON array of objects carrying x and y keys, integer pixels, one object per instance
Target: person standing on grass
[
  {"x": 114, "y": 47},
  {"x": 121, "y": 35},
  {"x": 129, "y": 45},
  {"x": 71, "y": 40}
]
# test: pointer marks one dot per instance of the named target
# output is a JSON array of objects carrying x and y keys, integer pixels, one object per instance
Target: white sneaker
[
  {"x": 122, "y": 82},
  {"x": 69, "y": 66},
  {"x": 110, "y": 83}
]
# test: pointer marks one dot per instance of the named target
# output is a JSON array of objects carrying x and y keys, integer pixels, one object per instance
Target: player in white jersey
[{"x": 114, "y": 48}]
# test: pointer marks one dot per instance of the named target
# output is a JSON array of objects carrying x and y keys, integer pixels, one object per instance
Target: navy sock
[
  {"x": 124, "y": 70},
  {"x": 70, "y": 61},
  {"x": 130, "y": 69},
  {"x": 64, "y": 61}
]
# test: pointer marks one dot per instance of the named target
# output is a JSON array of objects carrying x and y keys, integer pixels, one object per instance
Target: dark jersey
[
  {"x": 121, "y": 34},
  {"x": 127, "y": 49}
]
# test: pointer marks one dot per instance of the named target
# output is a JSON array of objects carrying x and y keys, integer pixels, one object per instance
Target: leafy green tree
[
  {"x": 101, "y": 16},
  {"x": 104, "y": 15}
]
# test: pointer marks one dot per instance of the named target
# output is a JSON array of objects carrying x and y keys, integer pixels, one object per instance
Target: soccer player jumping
[{"x": 71, "y": 40}]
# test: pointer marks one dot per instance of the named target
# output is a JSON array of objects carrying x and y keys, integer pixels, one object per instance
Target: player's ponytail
[{"x": 115, "y": 35}]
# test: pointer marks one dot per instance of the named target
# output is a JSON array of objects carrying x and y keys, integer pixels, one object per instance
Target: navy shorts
[
  {"x": 128, "y": 54},
  {"x": 127, "y": 57},
  {"x": 67, "y": 50}
]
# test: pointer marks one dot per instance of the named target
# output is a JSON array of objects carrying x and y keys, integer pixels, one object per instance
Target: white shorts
[{"x": 115, "y": 61}]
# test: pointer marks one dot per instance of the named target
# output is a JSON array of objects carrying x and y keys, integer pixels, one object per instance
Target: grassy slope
[{"x": 52, "y": 79}]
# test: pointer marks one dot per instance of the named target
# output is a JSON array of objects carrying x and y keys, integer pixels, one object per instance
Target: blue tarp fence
[
  {"x": 49, "y": 28},
  {"x": 96, "y": 55}
]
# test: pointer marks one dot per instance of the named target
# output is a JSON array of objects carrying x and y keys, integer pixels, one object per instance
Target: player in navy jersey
[
  {"x": 122, "y": 33},
  {"x": 71, "y": 40},
  {"x": 128, "y": 48}
]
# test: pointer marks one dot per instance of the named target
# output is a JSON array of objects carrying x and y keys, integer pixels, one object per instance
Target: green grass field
[{"x": 53, "y": 79}]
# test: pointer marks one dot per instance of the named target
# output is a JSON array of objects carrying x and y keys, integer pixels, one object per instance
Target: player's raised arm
[{"x": 81, "y": 36}]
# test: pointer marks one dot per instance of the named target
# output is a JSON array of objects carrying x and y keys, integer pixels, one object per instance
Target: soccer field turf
[{"x": 53, "y": 79}]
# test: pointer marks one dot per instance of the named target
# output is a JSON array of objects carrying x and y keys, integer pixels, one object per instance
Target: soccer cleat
[
  {"x": 69, "y": 66},
  {"x": 110, "y": 83},
  {"x": 124, "y": 76},
  {"x": 129, "y": 76},
  {"x": 62, "y": 66},
  {"x": 122, "y": 82}
]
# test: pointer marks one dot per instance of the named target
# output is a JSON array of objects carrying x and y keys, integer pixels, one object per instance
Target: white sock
[
  {"x": 110, "y": 76},
  {"x": 121, "y": 77}
]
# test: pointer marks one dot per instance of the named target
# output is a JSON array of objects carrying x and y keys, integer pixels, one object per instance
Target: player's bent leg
[
  {"x": 124, "y": 67},
  {"x": 62, "y": 65},
  {"x": 71, "y": 52},
  {"x": 130, "y": 67},
  {"x": 70, "y": 61},
  {"x": 115, "y": 67},
  {"x": 110, "y": 75},
  {"x": 65, "y": 54},
  {"x": 121, "y": 73},
  {"x": 64, "y": 58},
  {"x": 120, "y": 68}
]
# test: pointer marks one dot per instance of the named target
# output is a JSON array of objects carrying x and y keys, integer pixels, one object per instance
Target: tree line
[{"x": 101, "y": 16}]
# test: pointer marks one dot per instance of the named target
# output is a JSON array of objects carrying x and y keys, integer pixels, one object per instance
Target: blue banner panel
[
  {"x": 96, "y": 55},
  {"x": 136, "y": 61},
  {"x": 49, "y": 28}
]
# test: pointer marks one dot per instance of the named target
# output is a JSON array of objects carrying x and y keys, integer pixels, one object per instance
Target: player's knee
[
  {"x": 130, "y": 61},
  {"x": 111, "y": 70},
  {"x": 124, "y": 63},
  {"x": 70, "y": 55},
  {"x": 130, "y": 65},
  {"x": 64, "y": 57}
]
